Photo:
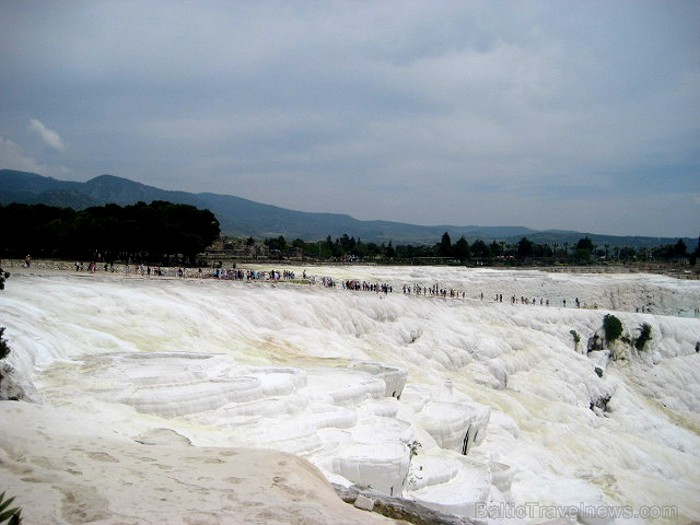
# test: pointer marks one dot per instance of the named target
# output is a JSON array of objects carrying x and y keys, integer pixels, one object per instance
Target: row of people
[
  {"x": 352, "y": 284},
  {"x": 367, "y": 286}
]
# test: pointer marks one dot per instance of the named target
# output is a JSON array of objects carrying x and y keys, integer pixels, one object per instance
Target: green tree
[
  {"x": 694, "y": 256},
  {"x": 496, "y": 249},
  {"x": 525, "y": 248},
  {"x": 583, "y": 250},
  {"x": 585, "y": 244},
  {"x": 480, "y": 250},
  {"x": 627, "y": 253},
  {"x": 282, "y": 243},
  {"x": 461, "y": 249},
  {"x": 141, "y": 231},
  {"x": 278, "y": 245},
  {"x": 445, "y": 246},
  {"x": 680, "y": 249},
  {"x": 389, "y": 251}
]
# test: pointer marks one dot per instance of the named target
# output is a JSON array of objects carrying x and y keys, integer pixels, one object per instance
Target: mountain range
[{"x": 240, "y": 217}]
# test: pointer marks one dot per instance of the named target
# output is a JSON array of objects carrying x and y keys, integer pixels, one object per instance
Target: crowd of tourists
[
  {"x": 353, "y": 285},
  {"x": 253, "y": 275}
]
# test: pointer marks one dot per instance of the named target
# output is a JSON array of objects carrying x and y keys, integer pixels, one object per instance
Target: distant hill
[{"x": 243, "y": 218}]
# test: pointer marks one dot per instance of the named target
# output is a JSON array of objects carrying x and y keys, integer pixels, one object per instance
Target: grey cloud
[{"x": 369, "y": 108}]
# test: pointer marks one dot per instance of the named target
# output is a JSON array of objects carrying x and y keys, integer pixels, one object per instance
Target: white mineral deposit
[{"x": 160, "y": 399}]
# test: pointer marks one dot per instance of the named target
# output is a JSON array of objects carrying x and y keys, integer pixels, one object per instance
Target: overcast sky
[{"x": 552, "y": 115}]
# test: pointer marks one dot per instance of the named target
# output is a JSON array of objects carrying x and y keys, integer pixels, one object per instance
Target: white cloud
[
  {"x": 12, "y": 157},
  {"x": 47, "y": 136}
]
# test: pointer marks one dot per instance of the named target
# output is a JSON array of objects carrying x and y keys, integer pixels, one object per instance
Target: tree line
[
  {"x": 155, "y": 233},
  {"x": 525, "y": 251},
  {"x": 165, "y": 233}
]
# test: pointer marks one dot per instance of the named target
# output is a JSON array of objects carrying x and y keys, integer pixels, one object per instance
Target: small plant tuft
[
  {"x": 600, "y": 403},
  {"x": 4, "y": 348},
  {"x": 3, "y": 277},
  {"x": 613, "y": 328},
  {"x": 644, "y": 336},
  {"x": 11, "y": 516},
  {"x": 413, "y": 447},
  {"x": 411, "y": 477},
  {"x": 575, "y": 336}
]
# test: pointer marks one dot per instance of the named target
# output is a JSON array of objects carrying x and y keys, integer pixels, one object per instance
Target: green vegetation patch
[{"x": 613, "y": 328}]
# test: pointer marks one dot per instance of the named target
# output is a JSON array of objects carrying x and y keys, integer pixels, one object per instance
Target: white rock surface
[
  {"x": 349, "y": 381},
  {"x": 65, "y": 468}
]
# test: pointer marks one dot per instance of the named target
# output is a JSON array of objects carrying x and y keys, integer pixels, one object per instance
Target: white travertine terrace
[{"x": 496, "y": 401}]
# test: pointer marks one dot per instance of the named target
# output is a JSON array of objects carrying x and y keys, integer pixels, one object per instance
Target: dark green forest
[
  {"x": 165, "y": 233},
  {"x": 479, "y": 252},
  {"x": 156, "y": 233}
]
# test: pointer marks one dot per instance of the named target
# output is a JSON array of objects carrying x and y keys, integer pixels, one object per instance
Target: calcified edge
[{"x": 317, "y": 372}]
